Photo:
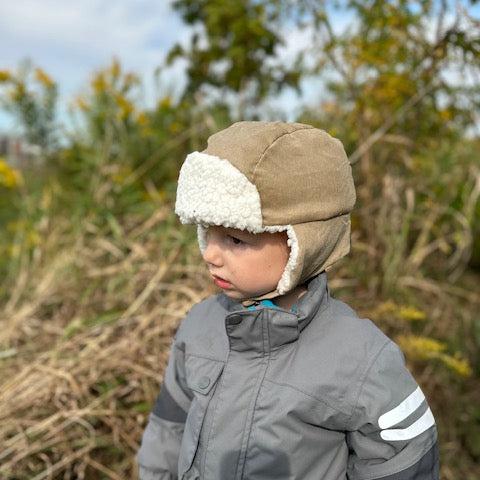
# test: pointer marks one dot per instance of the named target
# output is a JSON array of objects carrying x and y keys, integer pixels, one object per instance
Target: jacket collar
[{"x": 265, "y": 328}]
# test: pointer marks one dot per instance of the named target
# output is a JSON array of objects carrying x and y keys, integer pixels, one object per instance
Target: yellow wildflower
[
  {"x": 459, "y": 365},
  {"x": 99, "y": 83},
  {"x": 19, "y": 92},
  {"x": 5, "y": 76},
  {"x": 126, "y": 107},
  {"x": 43, "y": 78},
  {"x": 115, "y": 68},
  {"x": 383, "y": 310},
  {"x": 165, "y": 102},
  {"x": 423, "y": 348},
  {"x": 420, "y": 348},
  {"x": 142, "y": 119},
  {"x": 411, "y": 313},
  {"x": 446, "y": 114},
  {"x": 9, "y": 177},
  {"x": 387, "y": 307}
]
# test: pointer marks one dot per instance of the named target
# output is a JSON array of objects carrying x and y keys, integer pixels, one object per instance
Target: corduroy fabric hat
[{"x": 272, "y": 177}]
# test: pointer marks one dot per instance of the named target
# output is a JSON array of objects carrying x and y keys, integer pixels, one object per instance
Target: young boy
[{"x": 273, "y": 378}]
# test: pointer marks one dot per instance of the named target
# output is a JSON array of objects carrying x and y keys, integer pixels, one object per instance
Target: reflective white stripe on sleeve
[
  {"x": 403, "y": 410},
  {"x": 416, "y": 428}
]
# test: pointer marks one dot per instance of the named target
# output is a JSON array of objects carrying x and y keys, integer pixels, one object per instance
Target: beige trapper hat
[{"x": 272, "y": 177}]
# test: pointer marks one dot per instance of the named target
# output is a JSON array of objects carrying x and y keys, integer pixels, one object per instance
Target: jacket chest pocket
[{"x": 202, "y": 375}]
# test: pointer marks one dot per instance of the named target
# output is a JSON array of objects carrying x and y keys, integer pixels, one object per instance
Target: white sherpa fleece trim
[
  {"x": 285, "y": 282},
  {"x": 212, "y": 191}
]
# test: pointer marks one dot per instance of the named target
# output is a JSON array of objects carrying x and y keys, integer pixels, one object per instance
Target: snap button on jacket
[{"x": 270, "y": 394}]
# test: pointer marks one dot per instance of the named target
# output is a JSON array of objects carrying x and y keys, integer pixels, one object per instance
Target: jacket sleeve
[
  {"x": 159, "y": 451},
  {"x": 392, "y": 433}
]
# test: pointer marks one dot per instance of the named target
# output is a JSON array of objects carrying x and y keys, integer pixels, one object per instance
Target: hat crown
[{"x": 302, "y": 174}]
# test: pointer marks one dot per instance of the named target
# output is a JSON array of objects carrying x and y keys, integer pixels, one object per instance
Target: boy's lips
[{"x": 221, "y": 282}]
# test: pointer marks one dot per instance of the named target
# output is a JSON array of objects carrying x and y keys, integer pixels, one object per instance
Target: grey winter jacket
[{"x": 316, "y": 394}]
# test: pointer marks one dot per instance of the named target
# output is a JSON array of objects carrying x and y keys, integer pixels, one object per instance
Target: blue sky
[{"x": 70, "y": 40}]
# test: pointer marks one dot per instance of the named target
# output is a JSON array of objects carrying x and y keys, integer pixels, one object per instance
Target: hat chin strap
[{"x": 266, "y": 296}]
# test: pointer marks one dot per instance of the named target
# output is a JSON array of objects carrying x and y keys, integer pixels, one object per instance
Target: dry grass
[
  {"x": 85, "y": 335},
  {"x": 81, "y": 362}
]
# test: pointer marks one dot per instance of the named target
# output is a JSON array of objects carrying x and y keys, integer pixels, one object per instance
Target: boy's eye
[{"x": 235, "y": 240}]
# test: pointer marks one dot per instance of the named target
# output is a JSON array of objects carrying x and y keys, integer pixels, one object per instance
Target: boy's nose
[{"x": 212, "y": 253}]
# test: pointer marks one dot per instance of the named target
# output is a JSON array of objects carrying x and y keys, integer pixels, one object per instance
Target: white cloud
[{"x": 71, "y": 40}]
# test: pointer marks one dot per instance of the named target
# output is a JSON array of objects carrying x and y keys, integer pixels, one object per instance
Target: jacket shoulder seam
[{"x": 364, "y": 378}]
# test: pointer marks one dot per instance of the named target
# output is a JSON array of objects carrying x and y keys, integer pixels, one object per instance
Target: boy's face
[{"x": 251, "y": 264}]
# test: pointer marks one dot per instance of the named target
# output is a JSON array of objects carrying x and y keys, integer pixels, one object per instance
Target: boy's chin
[
  {"x": 241, "y": 296},
  {"x": 235, "y": 295}
]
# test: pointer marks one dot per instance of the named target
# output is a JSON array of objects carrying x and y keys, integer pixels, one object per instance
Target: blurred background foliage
[{"x": 96, "y": 271}]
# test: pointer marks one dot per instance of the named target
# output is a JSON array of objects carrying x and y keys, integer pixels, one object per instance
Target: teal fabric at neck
[{"x": 269, "y": 303}]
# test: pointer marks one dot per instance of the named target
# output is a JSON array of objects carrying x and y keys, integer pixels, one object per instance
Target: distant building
[{"x": 19, "y": 153}]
